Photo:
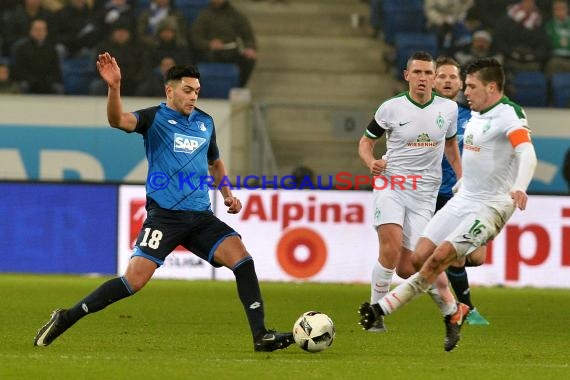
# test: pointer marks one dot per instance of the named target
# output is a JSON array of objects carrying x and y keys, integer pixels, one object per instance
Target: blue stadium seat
[
  {"x": 402, "y": 17},
  {"x": 560, "y": 84},
  {"x": 191, "y": 8},
  {"x": 77, "y": 74},
  {"x": 217, "y": 79},
  {"x": 408, "y": 43},
  {"x": 530, "y": 89}
]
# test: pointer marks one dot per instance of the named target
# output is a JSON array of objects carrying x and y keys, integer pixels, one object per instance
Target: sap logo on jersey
[{"x": 187, "y": 144}]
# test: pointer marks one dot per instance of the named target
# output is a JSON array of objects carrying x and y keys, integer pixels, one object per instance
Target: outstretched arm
[{"x": 111, "y": 73}]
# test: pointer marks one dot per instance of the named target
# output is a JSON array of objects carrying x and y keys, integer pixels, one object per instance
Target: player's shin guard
[
  {"x": 250, "y": 295},
  {"x": 106, "y": 294},
  {"x": 404, "y": 293},
  {"x": 381, "y": 281},
  {"x": 444, "y": 307},
  {"x": 441, "y": 295}
]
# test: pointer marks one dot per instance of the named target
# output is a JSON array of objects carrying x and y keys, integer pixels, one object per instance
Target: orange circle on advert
[{"x": 295, "y": 238}]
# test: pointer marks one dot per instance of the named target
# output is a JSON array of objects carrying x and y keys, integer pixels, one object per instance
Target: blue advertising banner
[
  {"x": 66, "y": 153},
  {"x": 58, "y": 228}
]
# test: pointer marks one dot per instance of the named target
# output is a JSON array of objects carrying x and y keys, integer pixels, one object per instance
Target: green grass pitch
[{"x": 197, "y": 330}]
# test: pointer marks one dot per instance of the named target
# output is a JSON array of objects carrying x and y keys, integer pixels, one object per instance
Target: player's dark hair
[
  {"x": 178, "y": 72},
  {"x": 419, "y": 56},
  {"x": 487, "y": 70}
]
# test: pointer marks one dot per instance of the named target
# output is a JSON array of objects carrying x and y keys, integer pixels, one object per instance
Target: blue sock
[
  {"x": 106, "y": 294},
  {"x": 250, "y": 295}
]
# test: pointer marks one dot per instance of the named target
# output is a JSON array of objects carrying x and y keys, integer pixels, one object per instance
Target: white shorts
[
  {"x": 468, "y": 224},
  {"x": 406, "y": 209}
]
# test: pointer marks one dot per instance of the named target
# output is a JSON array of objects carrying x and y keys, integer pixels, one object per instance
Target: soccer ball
[{"x": 314, "y": 331}]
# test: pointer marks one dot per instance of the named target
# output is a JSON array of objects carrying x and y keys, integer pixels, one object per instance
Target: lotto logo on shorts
[{"x": 187, "y": 144}]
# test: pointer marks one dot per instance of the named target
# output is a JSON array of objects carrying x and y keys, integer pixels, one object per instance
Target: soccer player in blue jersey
[
  {"x": 180, "y": 142},
  {"x": 448, "y": 83}
]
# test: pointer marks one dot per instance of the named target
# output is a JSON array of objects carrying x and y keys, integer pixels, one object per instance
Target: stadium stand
[
  {"x": 560, "y": 84},
  {"x": 402, "y": 17},
  {"x": 530, "y": 89},
  {"x": 408, "y": 43},
  {"x": 217, "y": 79},
  {"x": 191, "y": 8},
  {"x": 77, "y": 73}
]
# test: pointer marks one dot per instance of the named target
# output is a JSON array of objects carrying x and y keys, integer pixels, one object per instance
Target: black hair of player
[
  {"x": 178, "y": 72},
  {"x": 487, "y": 70}
]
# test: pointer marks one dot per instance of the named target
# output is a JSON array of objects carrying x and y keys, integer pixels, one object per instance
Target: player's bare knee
[
  {"x": 459, "y": 263},
  {"x": 477, "y": 257},
  {"x": 136, "y": 283},
  {"x": 424, "y": 249},
  {"x": 230, "y": 259}
]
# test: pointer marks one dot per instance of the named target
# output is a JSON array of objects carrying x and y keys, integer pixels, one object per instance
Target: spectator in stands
[
  {"x": 221, "y": 33},
  {"x": 445, "y": 18},
  {"x": 128, "y": 52},
  {"x": 490, "y": 11},
  {"x": 35, "y": 63},
  {"x": 153, "y": 86},
  {"x": 168, "y": 42},
  {"x": 157, "y": 11},
  {"x": 521, "y": 39},
  {"x": 473, "y": 20},
  {"x": 558, "y": 31},
  {"x": 110, "y": 12},
  {"x": 481, "y": 43},
  {"x": 17, "y": 21},
  {"x": 7, "y": 85},
  {"x": 75, "y": 31}
]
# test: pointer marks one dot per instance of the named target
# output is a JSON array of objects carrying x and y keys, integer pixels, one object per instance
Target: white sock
[
  {"x": 444, "y": 307},
  {"x": 404, "y": 293},
  {"x": 381, "y": 281},
  {"x": 449, "y": 309}
]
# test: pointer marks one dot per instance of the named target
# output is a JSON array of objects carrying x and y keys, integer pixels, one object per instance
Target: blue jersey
[
  {"x": 178, "y": 149},
  {"x": 448, "y": 178}
]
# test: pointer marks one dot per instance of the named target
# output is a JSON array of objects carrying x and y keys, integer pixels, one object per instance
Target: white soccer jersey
[
  {"x": 489, "y": 161},
  {"x": 416, "y": 136}
]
